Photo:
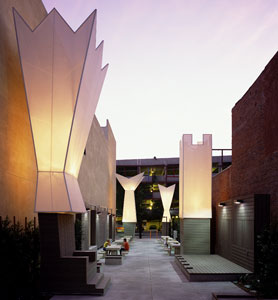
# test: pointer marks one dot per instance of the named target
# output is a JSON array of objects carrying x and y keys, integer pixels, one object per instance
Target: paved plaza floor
[{"x": 149, "y": 273}]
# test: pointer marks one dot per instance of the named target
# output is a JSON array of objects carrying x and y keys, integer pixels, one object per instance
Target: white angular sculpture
[
  {"x": 129, "y": 185},
  {"x": 63, "y": 79},
  {"x": 167, "y": 194},
  {"x": 195, "y": 177}
]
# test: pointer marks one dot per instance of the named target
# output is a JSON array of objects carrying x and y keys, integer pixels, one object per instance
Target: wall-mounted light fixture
[
  {"x": 239, "y": 201},
  {"x": 222, "y": 204}
]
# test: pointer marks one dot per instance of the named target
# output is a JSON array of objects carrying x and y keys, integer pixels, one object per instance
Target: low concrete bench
[
  {"x": 102, "y": 253},
  {"x": 113, "y": 260},
  {"x": 124, "y": 253}
]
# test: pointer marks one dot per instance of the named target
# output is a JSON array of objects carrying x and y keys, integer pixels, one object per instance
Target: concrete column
[
  {"x": 85, "y": 242},
  {"x": 129, "y": 228},
  {"x": 165, "y": 228}
]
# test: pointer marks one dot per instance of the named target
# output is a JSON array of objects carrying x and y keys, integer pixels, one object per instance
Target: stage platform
[{"x": 209, "y": 268}]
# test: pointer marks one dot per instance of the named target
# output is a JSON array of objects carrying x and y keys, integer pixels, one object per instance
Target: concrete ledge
[
  {"x": 113, "y": 260},
  {"x": 231, "y": 296}
]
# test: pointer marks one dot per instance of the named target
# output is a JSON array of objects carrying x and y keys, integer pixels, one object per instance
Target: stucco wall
[
  {"x": 17, "y": 158},
  {"x": 97, "y": 173}
]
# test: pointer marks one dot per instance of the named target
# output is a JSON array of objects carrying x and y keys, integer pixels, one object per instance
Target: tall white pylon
[
  {"x": 129, "y": 185},
  {"x": 167, "y": 194}
]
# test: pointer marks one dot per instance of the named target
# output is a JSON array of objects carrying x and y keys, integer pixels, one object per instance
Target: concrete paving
[{"x": 148, "y": 273}]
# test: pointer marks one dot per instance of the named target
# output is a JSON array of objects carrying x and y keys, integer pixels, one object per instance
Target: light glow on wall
[
  {"x": 129, "y": 185},
  {"x": 166, "y": 194},
  {"x": 195, "y": 177},
  {"x": 63, "y": 79}
]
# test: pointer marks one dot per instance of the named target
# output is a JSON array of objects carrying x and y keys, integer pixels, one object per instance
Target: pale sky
[{"x": 175, "y": 66}]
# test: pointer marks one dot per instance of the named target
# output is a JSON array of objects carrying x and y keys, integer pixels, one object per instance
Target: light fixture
[
  {"x": 195, "y": 178},
  {"x": 222, "y": 204},
  {"x": 166, "y": 194},
  {"x": 129, "y": 185},
  {"x": 238, "y": 201},
  {"x": 63, "y": 77}
]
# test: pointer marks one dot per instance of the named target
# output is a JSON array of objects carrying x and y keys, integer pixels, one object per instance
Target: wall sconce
[
  {"x": 239, "y": 201},
  {"x": 222, "y": 204}
]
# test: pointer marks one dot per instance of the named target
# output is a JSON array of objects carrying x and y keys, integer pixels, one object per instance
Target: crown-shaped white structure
[
  {"x": 195, "y": 177},
  {"x": 63, "y": 79},
  {"x": 166, "y": 194},
  {"x": 129, "y": 185}
]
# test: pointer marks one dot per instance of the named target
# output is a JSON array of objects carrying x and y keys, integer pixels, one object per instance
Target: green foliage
[
  {"x": 265, "y": 279},
  {"x": 267, "y": 275},
  {"x": 19, "y": 261}
]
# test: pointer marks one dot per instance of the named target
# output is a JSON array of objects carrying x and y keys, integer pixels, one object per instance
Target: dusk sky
[{"x": 176, "y": 66}]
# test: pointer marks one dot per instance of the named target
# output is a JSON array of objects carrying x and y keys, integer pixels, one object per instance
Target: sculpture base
[
  {"x": 129, "y": 228},
  {"x": 195, "y": 236},
  {"x": 63, "y": 269},
  {"x": 165, "y": 228}
]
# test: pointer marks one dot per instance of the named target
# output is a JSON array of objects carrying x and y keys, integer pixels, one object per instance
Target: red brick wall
[
  {"x": 255, "y": 138},
  {"x": 221, "y": 187}
]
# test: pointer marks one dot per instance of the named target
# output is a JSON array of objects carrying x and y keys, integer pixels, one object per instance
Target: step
[
  {"x": 96, "y": 279},
  {"x": 103, "y": 285},
  {"x": 91, "y": 270}
]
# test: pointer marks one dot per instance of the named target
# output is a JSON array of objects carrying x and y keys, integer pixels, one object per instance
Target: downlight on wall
[
  {"x": 222, "y": 204},
  {"x": 238, "y": 201}
]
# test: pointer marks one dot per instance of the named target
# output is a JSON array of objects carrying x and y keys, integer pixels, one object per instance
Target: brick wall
[
  {"x": 254, "y": 170},
  {"x": 255, "y": 139},
  {"x": 221, "y": 187},
  {"x": 254, "y": 167}
]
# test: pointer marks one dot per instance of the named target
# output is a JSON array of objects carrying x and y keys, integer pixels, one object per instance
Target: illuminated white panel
[
  {"x": 180, "y": 183},
  {"x": 129, "y": 185},
  {"x": 195, "y": 177},
  {"x": 63, "y": 80},
  {"x": 166, "y": 194}
]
